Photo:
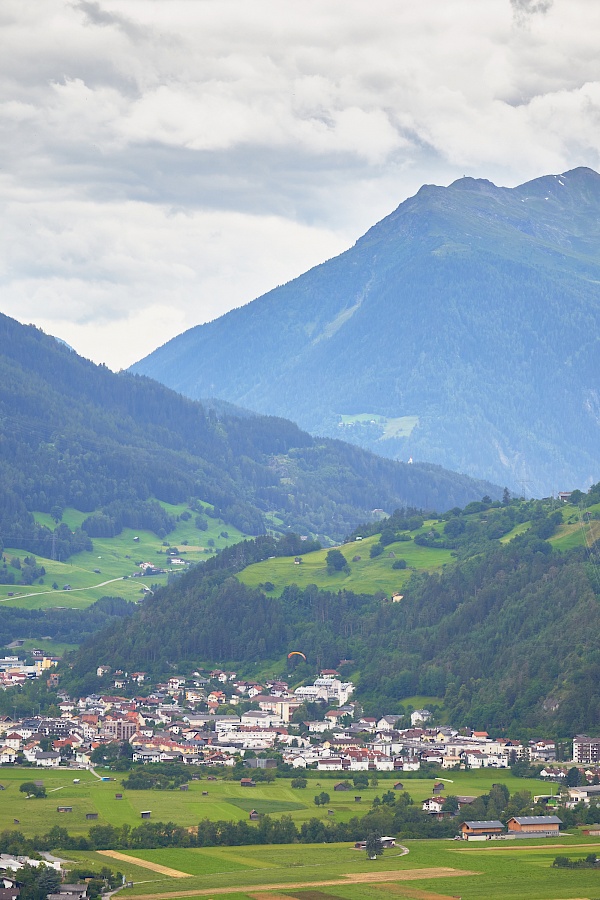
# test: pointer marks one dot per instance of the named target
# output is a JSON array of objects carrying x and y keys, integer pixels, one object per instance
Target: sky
[{"x": 163, "y": 161}]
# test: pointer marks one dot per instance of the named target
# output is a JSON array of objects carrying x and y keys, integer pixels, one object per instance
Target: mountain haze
[
  {"x": 463, "y": 329},
  {"x": 76, "y": 434}
]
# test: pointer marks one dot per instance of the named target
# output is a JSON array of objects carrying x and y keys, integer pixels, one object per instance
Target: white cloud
[
  {"x": 99, "y": 276},
  {"x": 162, "y": 162}
]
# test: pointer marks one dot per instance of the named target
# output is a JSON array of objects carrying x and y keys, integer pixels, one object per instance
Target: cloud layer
[{"x": 163, "y": 162}]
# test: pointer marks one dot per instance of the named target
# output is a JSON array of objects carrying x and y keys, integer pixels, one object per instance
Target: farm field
[
  {"x": 366, "y": 575},
  {"x": 226, "y": 800},
  {"x": 431, "y": 870},
  {"x": 116, "y": 559}
]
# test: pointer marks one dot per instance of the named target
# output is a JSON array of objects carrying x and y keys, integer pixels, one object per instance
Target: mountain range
[
  {"x": 463, "y": 329},
  {"x": 73, "y": 434}
]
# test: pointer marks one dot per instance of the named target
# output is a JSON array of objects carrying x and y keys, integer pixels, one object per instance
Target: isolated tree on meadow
[
  {"x": 336, "y": 561},
  {"x": 32, "y": 789},
  {"x": 373, "y": 845}
]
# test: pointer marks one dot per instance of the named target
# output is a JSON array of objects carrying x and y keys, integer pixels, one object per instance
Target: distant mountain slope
[
  {"x": 463, "y": 329},
  {"x": 76, "y": 434}
]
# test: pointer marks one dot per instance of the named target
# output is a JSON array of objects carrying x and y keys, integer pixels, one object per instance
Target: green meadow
[
  {"x": 116, "y": 559},
  {"x": 366, "y": 575},
  {"x": 508, "y": 870},
  {"x": 576, "y": 534},
  {"x": 225, "y": 800},
  {"x": 431, "y": 870},
  {"x": 401, "y": 426}
]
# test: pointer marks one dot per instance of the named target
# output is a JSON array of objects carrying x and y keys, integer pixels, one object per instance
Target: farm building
[
  {"x": 539, "y": 826},
  {"x": 481, "y": 830}
]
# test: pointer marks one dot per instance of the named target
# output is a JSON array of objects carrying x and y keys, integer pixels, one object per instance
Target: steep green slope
[
  {"x": 463, "y": 329},
  {"x": 75, "y": 434},
  {"x": 507, "y": 633}
]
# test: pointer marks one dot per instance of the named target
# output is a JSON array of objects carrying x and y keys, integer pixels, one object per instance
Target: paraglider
[{"x": 296, "y": 653}]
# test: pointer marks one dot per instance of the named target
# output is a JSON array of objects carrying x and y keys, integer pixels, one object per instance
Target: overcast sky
[{"x": 163, "y": 161}]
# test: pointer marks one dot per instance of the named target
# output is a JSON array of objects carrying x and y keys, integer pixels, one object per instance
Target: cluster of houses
[
  {"x": 184, "y": 720},
  {"x": 15, "y": 671},
  {"x": 9, "y": 877}
]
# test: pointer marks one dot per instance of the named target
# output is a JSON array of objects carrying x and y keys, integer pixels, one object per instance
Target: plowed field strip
[
  {"x": 511, "y": 846},
  {"x": 356, "y": 878},
  {"x": 144, "y": 864}
]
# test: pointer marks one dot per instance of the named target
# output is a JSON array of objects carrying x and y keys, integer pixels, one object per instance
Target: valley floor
[{"x": 431, "y": 870}]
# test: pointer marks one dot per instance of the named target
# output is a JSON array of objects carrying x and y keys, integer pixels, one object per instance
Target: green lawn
[{"x": 366, "y": 575}]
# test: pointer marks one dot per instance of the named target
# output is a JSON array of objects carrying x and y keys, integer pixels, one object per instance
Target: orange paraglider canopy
[{"x": 296, "y": 653}]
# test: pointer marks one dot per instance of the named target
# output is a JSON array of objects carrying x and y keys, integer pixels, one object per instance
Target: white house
[{"x": 420, "y": 716}]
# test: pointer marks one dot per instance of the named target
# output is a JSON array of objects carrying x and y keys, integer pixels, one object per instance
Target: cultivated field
[{"x": 432, "y": 870}]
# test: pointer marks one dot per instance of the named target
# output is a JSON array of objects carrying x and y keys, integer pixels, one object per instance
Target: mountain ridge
[{"x": 510, "y": 276}]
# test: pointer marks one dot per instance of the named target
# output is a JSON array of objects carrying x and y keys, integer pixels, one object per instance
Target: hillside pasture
[
  {"x": 576, "y": 534},
  {"x": 366, "y": 576},
  {"x": 117, "y": 560}
]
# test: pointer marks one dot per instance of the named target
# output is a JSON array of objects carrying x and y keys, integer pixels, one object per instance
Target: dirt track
[
  {"x": 356, "y": 878},
  {"x": 511, "y": 846},
  {"x": 144, "y": 864}
]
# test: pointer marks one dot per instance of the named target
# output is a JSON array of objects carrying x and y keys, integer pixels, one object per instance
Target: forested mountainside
[
  {"x": 76, "y": 434},
  {"x": 507, "y": 634},
  {"x": 463, "y": 329}
]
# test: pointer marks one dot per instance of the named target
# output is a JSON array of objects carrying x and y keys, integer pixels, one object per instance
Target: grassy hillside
[
  {"x": 368, "y": 576},
  {"x": 365, "y": 575},
  {"x": 115, "y": 558}
]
